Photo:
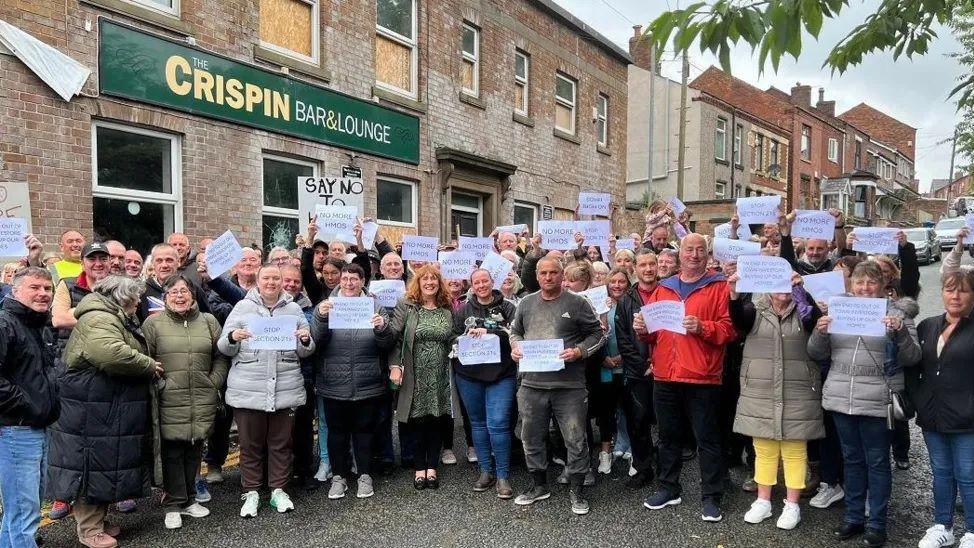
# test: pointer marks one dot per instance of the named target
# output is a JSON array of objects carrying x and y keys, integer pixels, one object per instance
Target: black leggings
[
  {"x": 603, "y": 403},
  {"x": 427, "y": 434},
  {"x": 351, "y": 430}
]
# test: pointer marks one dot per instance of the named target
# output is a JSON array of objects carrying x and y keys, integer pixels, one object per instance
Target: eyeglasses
[{"x": 178, "y": 292}]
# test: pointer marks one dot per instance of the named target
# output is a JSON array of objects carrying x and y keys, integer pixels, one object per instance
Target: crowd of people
[{"x": 118, "y": 376}]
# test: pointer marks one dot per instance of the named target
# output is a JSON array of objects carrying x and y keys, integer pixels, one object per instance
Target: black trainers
[
  {"x": 874, "y": 538},
  {"x": 533, "y": 495},
  {"x": 848, "y": 530},
  {"x": 640, "y": 480},
  {"x": 580, "y": 506},
  {"x": 711, "y": 511},
  {"x": 661, "y": 499}
]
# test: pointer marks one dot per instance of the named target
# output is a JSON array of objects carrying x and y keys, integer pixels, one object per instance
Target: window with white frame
[
  {"x": 602, "y": 119},
  {"x": 738, "y": 131},
  {"x": 470, "y": 49},
  {"x": 526, "y": 214},
  {"x": 565, "y": 94},
  {"x": 757, "y": 161},
  {"x": 522, "y": 75},
  {"x": 169, "y": 7},
  {"x": 396, "y": 56},
  {"x": 833, "y": 149},
  {"x": 396, "y": 201},
  {"x": 720, "y": 190},
  {"x": 806, "y": 143},
  {"x": 136, "y": 185},
  {"x": 290, "y": 27},
  {"x": 280, "y": 221},
  {"x": 720, "y": 140}
]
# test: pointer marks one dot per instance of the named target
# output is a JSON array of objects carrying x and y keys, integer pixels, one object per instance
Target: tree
[{"x": 963, "y": 29}]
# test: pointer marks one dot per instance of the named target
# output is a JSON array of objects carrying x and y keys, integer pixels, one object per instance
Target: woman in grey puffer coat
[
  {"x": 264, "y": 388},
  {"x": 858, "y": 391}
]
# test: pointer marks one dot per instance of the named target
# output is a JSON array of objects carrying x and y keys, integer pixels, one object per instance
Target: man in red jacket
[{"x": 687, "y": 373}]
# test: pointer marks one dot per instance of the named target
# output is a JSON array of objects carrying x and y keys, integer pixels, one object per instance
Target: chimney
[
  {"x": 827, "y": 107},
  {"x": 801, "y": 95},
  {"x": 641, "y": 49}
]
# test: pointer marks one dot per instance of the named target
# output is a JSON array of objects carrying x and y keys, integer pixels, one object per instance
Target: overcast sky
[{"x": 912, "y": 91}]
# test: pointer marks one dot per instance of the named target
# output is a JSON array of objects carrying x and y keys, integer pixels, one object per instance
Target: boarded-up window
[
  {"x": 470, "y": 49},
  {"x": 392, "y": 63},
  {"x": 290, "y": 27},
  {"x": 395, "y": 46},
  {"x": 564, "y": 103}
]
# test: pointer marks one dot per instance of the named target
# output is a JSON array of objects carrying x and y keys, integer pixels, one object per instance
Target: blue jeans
[
  {"x": 322, "y": 431},
  {"x": 489, "y": 408},
  {"x": 865, "y": 451},
  {"x": 952, "y": 461},
  {"x": 23, "y": 460}
]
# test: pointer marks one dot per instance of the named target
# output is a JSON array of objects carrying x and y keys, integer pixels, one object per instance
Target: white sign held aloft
[
  {"x": 272, "y": 332},
  {"x": 419, "y": 248},
  {"x": 824, "y": 286},
  {"x": 595, "y": 232},
  {"x": 513, "y": 229},
  {"x": 763, "y": 274},
  {"x": 499, "y": 268},
  {"x": 679, "y": 231},
  {"x": 351, "y": 313},
  {"x": 477, "y": 350},
  {"x": 557, "y": 234},
  {"x": 664, "y": 315},
  {"x": 15, "y": 201},
  {"x": 313, "y": 191},
  {"x": 599, "y": 297},
  {"x": 724, "y": 231},
  {"x": 12, "y": 232},
  {"x": 729, "y": 250},
  {"x": 876, "y": 240},
  {"x": 222, "y": 254},
  {"x": 677, "y": 206},
  {"x": 969, "y": 221},
  {"x": 336, "y": 222},
  {"x": 758, "y": 209},
  {"x": 625, "y": 243},
  {"x": 478, "y": 247},
  {"x": 541, "y": 356},
  {"x": 594, "y": 203},
  {"x": 812, "y": 223},
  {"x": 369, "y": 230},
  {"x": 387, "y": 292},
  {"x": 857, "y": 316},
  {"x": 456, "y": 265}
]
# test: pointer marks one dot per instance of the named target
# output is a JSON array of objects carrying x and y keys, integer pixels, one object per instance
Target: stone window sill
[
  {"x": 603, "y": 150},
  {"x": 269, "y": 56},
  {"x": 398, "y": 99},
  {"x": 522, "y": 119},
  {"x": 164, "y": 21},
  {"x": 472, "y": 100},
  {"x": 567, "y": 136}
]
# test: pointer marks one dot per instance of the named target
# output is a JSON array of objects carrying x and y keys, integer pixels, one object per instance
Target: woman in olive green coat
[{"x": 184, "y": 340}]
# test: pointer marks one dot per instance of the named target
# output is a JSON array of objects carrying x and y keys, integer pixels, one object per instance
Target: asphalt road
[{"x": 455, "y": 516}]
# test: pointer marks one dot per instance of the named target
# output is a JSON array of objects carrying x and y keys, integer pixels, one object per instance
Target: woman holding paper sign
[
  {"x": 858, "y": 391},
  {"x": 487, "y": 389},
  {"x": 419, "y": 365},
  {"x": 264, "y": 388}
]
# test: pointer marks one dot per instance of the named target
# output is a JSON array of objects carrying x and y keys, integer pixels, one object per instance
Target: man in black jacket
[{"x": 28, "y": 401}]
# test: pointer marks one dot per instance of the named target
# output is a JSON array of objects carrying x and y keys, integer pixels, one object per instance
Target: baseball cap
[{"x": 93, "y": 248}]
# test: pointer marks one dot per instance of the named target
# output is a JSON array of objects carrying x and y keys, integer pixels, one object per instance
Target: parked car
[
  {"x": 926, "y": 243},
  {"x": 947, "y": 231}
]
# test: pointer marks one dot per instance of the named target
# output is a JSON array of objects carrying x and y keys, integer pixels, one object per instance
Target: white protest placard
[
  {"x": 677, "y": 206},
  {"x": 335, "y": 222},
  {"x": 478, "y": 247},
  {"x": 758, "y": 209},
  {"x": 272, "y": 332},
  {"x": 499, "y": 268},
  {"x": 351, "y": 313},
  {"x": 387, "y": 292},
  {"x": 595, "y": 232},
  {"x": 857, "y": 316},
  {"x": 598, "y": 296},
  {"x": 726, "y": 250},
  {"x": 476, "y": 350},
  {"x": 594, "y": 203},
  {"x": 763, "y": 274},
  {"x": 824, "y": 286},
  {"x": 456, "y": 265},
  {"x": 419, "y": 248},
  {"x": 664, "y": 315},
  {"x": 969, "y": 221},
  {"x": 340, "y": 191},
  {"x": 369, "y": 230},
  {"x": 724, "y": 231},
  {"x": 871, "y": 239},
  {"x": 557, "y": 234},
  {"x": 513, "y": 229},
  {"x": 541, "y": 356},
  {"x": 222, "y": 254},
  {"x": 625, "y": 243},
  {"x": 812, "y": 223},
  {"x": 12, "y": 232},
  {"x": 679, "y": 231},
  {"x": 15, "y": 201}
]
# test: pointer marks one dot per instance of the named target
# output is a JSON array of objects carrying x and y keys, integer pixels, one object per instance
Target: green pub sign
[{"x": 151, "y": 69}]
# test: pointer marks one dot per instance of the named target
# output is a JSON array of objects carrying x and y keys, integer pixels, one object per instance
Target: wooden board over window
[
  {"x": 392, "y": 63},
  {"x": 288, "y": 24}
]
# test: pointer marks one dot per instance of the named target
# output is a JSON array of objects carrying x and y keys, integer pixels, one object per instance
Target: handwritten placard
[
  {"x": 594, "y": 203},
  {"x": 477, "y": 350},
  {"x": 419, "y": 248},
  {"x": 12, "y": 232},
  {"x": 335, "y": 222},
  {"x": 387, "y": 292},
  {"x": 499, "y": 268},
  {"x": 222, "y": 254},
  {"x": 513, "y": 229},
  {"x": 969, "y": 221},
  {"x": 541, "y": 356},
  {"x": 824, "y": 286},
  {"x": 351, "y": 313},
  {"x": 729, "y": 250},
  {"x": 857, "y": 316},
  {"x": 679, "y": 231},
  {"x": 677, "y": 206},
  {"x": 557, "y": 234},
  {"x": 811, "y": 223},
  {"x": 665, "y": 316},
  {"x": 763, "y": 274},
  {"x": 272, "y": 332},
  {"x": 595, "y": 232},
  {"x": 724, "y": 231},
  {"x": 456, "y": 265},
  {"x": 876, "y": 240},
  {"x": 478, "y": 247},
  {"x": 599, "y": 297},
  {"x": 369, "y": 230},
  {"x": 758, "y": 209},
  {"x": 625, "y": 243}
]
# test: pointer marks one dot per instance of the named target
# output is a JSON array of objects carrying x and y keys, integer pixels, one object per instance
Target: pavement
[{"x": 456, "y": 516}]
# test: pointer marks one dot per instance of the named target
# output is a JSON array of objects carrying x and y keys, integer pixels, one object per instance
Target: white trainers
[
  {"x": 605, "y": 462},
  {"x": 338, "y": 488},
  {"x": 632, "y": 469},
  {"x": 472, "y": 455},
  {"x": 195, "y": 510},
  {"x": 324, "y": 471},
  {"x": 760, "y": 511},
  {"x": 791, "y": 514},
  {"x": 448, "y": 457},
  {"x": 173, "y": 520},
  {"x": 937, "y": 537},
  {"x": 966, "y": 541},
  {"x": 827, "y": 496},
  {"x": 365, "y": 487},
  {"x": 251, "y": 501},
  {"x": 281, "y": 501}
]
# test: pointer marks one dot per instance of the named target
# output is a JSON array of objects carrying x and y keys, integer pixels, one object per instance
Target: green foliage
[{"x": 962, "y": 25}]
